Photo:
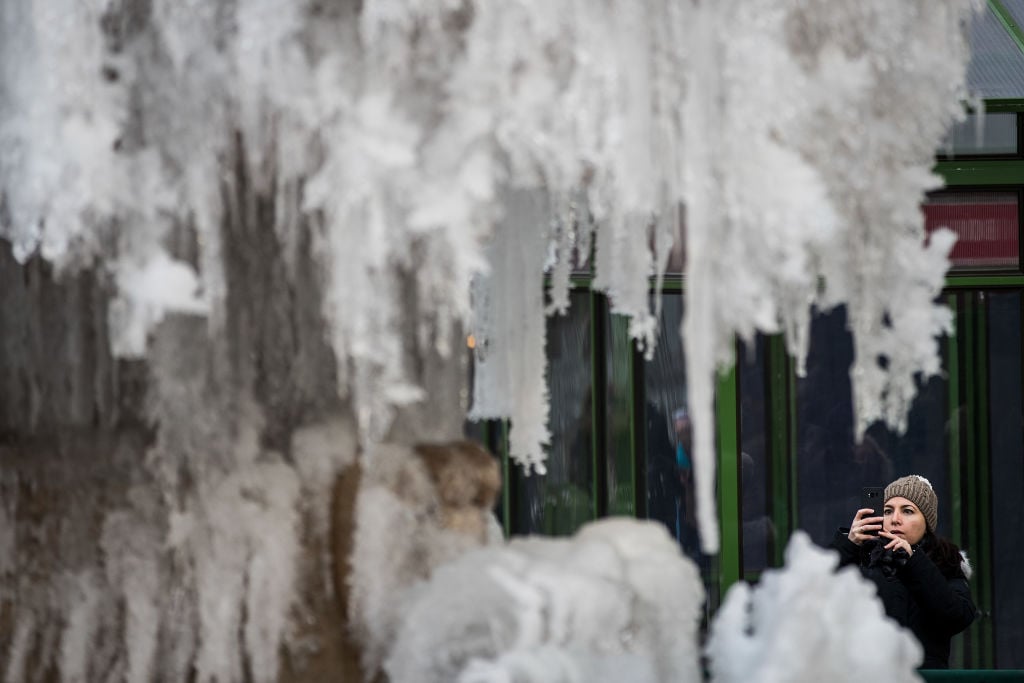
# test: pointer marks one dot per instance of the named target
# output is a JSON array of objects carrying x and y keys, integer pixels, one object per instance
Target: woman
[{"x": 921, "y": 578}]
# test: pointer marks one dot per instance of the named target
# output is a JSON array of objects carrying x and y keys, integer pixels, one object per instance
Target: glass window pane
[
  {"x": 618, "y": 410},
  {"x": 994, "y": 133},
  {"x": 561, "y": 501},
  {"x": 488, "y": 433},
  {"x": 667, "y": 437},
  {"x": 986, "y": 225},
  {"x": 1007, "y": 476},
  {"x": 1016, "y": 10},
  {"x": 996, "y": 69},
  {"x": 667, "y": 432},
  {"x": 831, "y": 468},
  {"x": 758, "y": 531}
]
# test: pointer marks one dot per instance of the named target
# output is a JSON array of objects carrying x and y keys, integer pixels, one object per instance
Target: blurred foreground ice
[
  {"x": 618, "y": 597},
  {"x": 806, "y": 622},
  {"x": 619, "y": 602}
]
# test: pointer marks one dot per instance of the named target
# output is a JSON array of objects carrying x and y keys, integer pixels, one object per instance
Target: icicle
[
  {"x": 509, "y": 330},
  {"x": 20, "y": 647},
  {"x": 131, "y": 545},
  {"x": 786, "y": 204},
  {"x": 79, "y": 600}
]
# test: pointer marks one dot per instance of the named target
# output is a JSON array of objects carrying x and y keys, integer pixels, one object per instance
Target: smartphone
[{"x": 871, "y": 497}]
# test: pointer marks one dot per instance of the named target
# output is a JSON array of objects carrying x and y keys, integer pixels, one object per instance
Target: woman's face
[{"x": 903, "y": 518}]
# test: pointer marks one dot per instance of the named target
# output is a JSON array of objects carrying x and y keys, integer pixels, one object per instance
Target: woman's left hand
[{"x": 896, "y": 542}]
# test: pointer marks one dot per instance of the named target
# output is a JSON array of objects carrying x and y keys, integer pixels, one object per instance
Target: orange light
[{"x": 471, "y": 342}]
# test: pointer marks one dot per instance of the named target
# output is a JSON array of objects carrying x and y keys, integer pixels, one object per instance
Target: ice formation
[
  {"x": 807, "y": 622},
  {"x": 617, "y": 599},
  {"x": 399, "y": 149},
  {"x": 248, "y": 178},
  {"x": 620, "y": 602},
  {"x": 812, "y": 132},
  {"x": 410, "y": 519}
]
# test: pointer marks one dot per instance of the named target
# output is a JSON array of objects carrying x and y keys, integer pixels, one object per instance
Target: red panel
[{"x": 987, "y": 230}]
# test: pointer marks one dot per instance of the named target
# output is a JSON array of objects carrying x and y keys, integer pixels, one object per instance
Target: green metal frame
[
  {"x": 953, "y": 401},
  {"x": 975, "y": 531},
  {"x": 959, "y": 282},
  {"x": 782, "y": 421},
  {"x": 1006, "y": 19},
  {"x": 1005, "y": 105},
  {"x": 636, "y": 418},
  {"x": 972, "y": 676},
  {"x": 506, "y": 490},
  {"x": 980, "y": 489},
  {"x": 958, "y": 172},
  {"x": 969, "y": 422},
  {"x": 953, "y": 445},
  {"x": 598, "y": 451},
  {"x": 624, "y": 389},
  {"x": 727, "y": 417},
  {"x": 638, "y": 504}
]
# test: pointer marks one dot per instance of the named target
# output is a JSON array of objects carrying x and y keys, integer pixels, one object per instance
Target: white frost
[
  {"x": 423, "y": 147},
  {"x": 398, "y": 541},
  {"x": 618, "y": 593},
  {"x": 806, "y": 622},
  {"x": 80, "y": 598},
  {"x": 404, "y": 134},
  {"x": 803, "y": 189},
  {"x": 508, "y": 328}
]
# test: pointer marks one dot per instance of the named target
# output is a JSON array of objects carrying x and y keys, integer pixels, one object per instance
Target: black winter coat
[{"x": 934, "y": 604}]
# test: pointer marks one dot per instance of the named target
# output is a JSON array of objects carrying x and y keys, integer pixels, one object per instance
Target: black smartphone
[{"x": 871, "y": 497}]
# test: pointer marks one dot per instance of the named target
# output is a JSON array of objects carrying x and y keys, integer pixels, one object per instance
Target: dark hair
[{"x": 944, "y": 553}]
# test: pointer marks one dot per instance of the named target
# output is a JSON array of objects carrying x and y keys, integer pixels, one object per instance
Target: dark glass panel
[
  {"x": 758, "y": 531},
  {"x": 621, "y": 469},
  {"x": 669, "y": 471},
  {"x": 561, "y": 501},
  {"x": 1006, "y": 417},
  {"x": 667, "y": 438},
  {"x": 667, "y": 432},
  {"x": 831, "y": 467},
  {"x": 981, "y": 134}
]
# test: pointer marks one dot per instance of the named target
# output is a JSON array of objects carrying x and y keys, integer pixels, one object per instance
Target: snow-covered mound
[
  {"x": 807, "y": 622},
  {"x": 618, "y": 601}
]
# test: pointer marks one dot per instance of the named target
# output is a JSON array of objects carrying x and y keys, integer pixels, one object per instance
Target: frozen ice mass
[{"x": 275, "y": 222}]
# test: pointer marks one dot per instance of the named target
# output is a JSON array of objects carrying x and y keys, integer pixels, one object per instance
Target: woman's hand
[
  {"x": 897, "y": 541},
  {"x": 861, "y": 527}
]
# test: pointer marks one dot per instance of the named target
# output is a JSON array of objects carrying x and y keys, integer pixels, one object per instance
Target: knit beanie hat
[{"x": 918, "y": 491}]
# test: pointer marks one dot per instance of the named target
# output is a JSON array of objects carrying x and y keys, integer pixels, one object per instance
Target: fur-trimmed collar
[{"x": 965, "y": 565}]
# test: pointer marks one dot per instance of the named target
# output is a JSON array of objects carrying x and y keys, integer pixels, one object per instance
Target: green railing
[{"x": 973, "y": 675}]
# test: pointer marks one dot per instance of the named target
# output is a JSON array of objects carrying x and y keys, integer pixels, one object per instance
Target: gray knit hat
[{"x": 918, "y": 491}]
